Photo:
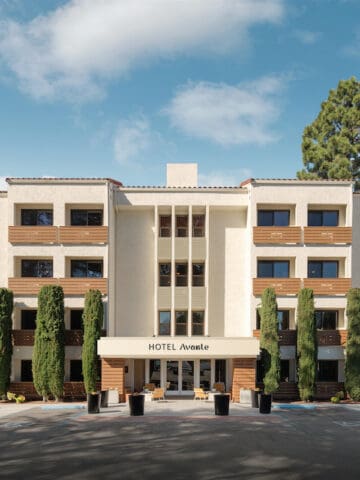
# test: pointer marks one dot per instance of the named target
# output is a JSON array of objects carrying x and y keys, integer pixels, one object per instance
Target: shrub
[
  {"x": 6, "y": 348},
  {"x": 335, "y": 400},
  {"x": 355, "y": 394},
  {"x": 352, "y": 361},
  {"x": 340, "y": 395}
]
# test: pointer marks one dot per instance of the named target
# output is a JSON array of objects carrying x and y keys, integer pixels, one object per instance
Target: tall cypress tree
[
  {"x": 269, "y": 340},
  {"x": 93, "y": 321},
  {"x": 352, "y": 362},
  {"x": 306, "y": 344},
  {"x": 49, "y": 349},
  {"x": 6, "y": 308}
]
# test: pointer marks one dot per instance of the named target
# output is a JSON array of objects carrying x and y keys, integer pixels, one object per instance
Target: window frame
[
  {"x": 198, "y": 280},
  {"x": 321, "y": 263},
  {"x": 280, "y": 310},
  {"x": 181, "y": 331},
  {"x": 198, "y": 231},
  {"x": 322, "y": 221},
  {"x": 274, "y": 222},
  {"x": 46, "y": 264},
  {"x": 165, "y": 279},
  {"x": 164, "y": 226},
  {"x": 161, "y": 324},
  {"x": 181, "y": 231},
  {"x": 322, "y": 320},
  {"x": 87, "y": 212},
  {"x": 181, "y": 280},
  {"x": 87, "y": 262},
  {"x": 37, "y": 212},
  {"x": 272, "y": 263},
  {"x": 195, "y": 324}
]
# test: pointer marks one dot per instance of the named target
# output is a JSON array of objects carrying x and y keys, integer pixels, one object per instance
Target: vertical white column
[
  {"x": 190, "y": 273},
  {"x": 156, "y": 270},
  {"x": 172, "y": 270},
  {"x": 147, "y": 370},
  {"x": 207, "y": 236},
  {"x": 212, "y": 373}
]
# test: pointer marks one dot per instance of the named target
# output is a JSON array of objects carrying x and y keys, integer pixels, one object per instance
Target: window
[
  {"x": 198, "y": 323},
  {"x": 181, "y": 274},
  {"x": 283, "y": 319},
  {"x": 273, "y": 218},
  {"x": 326, "y": 319},
  {"x": 36, "y": 268},
  {"x": 322, "y": 269},
  {"x": 87, "y": 268},
  {"x": 36, "y": 217},
  {"x": 220, "y": 371},
  {"x": 26, "y": 371},
  {"x": 182, "y": 222},
  {"x": 327, "y": 371},
  {"x": 76, "y": 321},
  {"x": 198, "y": 226},
  {"x": 198, "y": 270},
  {"x": 260, "y": 370},
  {"x": 165, "y": 274},
  {"x": 76, "y": 371},
  {"x": 284, "y": 370},
  {"x": 273, "y": 268},
  {"x": 323, "y": 218},
  {"x": 164, "y": 323},
  {"x": 28, "y": 319},
  {"x": 180, "y": 323},
  {"x": 86, "y": 217},
  {"x": 165, "y": 226},
  {"x": 155, "y": 366},
  {"x": 205, "y": 374}
]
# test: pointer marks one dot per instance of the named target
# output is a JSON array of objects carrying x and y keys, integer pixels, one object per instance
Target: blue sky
[{"x": 119, "y": 88}]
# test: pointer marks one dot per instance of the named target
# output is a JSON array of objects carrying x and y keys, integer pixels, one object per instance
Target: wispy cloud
[
  {"x": 73, "y": 51},
  {"x": 226, "y": 114},
  {"x": 353, "y": 49},
  {"x": 219, "y": 178},
  {"x": 132, "y": 138},
  {"x": 306, "y": 36},
  {"x": 3, "y": 184}
]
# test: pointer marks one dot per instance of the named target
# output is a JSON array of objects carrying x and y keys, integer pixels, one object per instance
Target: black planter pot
[
  {"x": 222, "y": 404},
  {"x": 136, "y": 404},
  {"x": 93, "y": 402},
  {"x": 104, "y": 398},
  {"x": 265, "y": 403}
]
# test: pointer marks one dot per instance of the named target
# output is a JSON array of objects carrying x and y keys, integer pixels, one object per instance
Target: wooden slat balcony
[
  {"x": 328, "y": 337},
  {"x": 286, "y": 337},
  {"x": 328, "y": 286},
  {"x": 277, "y": 235},
  {"x": 83, "y": 235},
  {"x": 343, "y": 337},
  {"x": 328, "y": 235},
  {"x": 35, "y": 234},
  {"x": 326, "y": 390},
  {"x": 282, "y": 286},
  {"x": 71, "y": 286},
  {"x": 24, "y": 338}
]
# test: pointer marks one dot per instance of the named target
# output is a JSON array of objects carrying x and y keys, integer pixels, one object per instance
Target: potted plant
[{"x": 136, "y": 404}]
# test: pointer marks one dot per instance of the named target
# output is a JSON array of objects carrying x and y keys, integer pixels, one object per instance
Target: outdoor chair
[
  {"x": 149, "y": 386},
  {"x": 200, "y": 394},
  {"x": 158, "y": 394},
  {"x": 219, "y": 387}
]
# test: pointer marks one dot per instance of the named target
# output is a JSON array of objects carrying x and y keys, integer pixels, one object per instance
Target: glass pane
[
  {"x": 44, "y": 217},
  {"x": 198, "y": 323},
  {"x": 284, "y": 370},
  {"x": 78, "y": 268},
  {"x": 330, "y": 218},
  {"x": 181, "y": 270},
  {"x": 28, "y": 319},
  {"x": 155, "y": 366},
  {"x": 281, "y": 269},
  {"x": 180, "y": 323},
  {"x": 164, "y": 323},
  {"x": 26, "y": 371},
  {"x": 76, "y": 371},
  {"x": 198, "y": 274},
  {"x": 330, "y": 269},
  {"x": 94, "y": 269},
  {"x": 172, "y": 375},
  {"x": 315, "y": 218},
  {"x": 205, "y": 374},
  {"x": 28, "y": 217},
  {"x": 45, "y": 268},
  {"x": 78, "y": 217},
  {"x": 165, "y": 274},
  {"x": 181, "y": 225},
  {"x": 326, "y": 319},
  {"x": 220, "y": 371},
  {"x": 198, "y": 225},
  {"x": 95, "y": 218},
  {"x": 29, "y": 268},
  {"x": 283, "y": 319},
  {"x": 187, "y": 375},
  {"x": 281, "y": 218},
  {"x": 327, "y": 371},
  {"x": 76, "y": 322},
  {"x": 314, "y": 269},
  {"x": 265, "y": 218},
  {"x": 265, "y": 269}
]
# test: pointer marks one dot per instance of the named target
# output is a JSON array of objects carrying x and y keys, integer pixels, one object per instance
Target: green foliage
[
  {"x": 331, "y": 144},
  {"x": 93, "y": 321},
  {"x": 306, "y": 344},
  {"x": 49, "y": 346},
  {"x": 355, "y": 394},
  {"x": 352, "y": 361},
  {"x": 6, "y": 349},
  {"x": 335, "y": 399},
  {"x": 269, "y": 341}
]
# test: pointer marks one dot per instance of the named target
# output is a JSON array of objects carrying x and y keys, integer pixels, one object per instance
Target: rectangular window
[
  {"x": 37, "y": 217},
  {"x": 76, "y": 321},
  {"x": 182, "y": 226},
  {"x": 155, "y": 366},
  {"x": 327, "y": 371},
  {"x": 284, "y": 370},
  {"x": 283, "y": 319},
  {"x": 76, "y": 371},
  {"x": 323, "y": 218},
  {"x": 86, "y": 217},
  {"x": 36, "y": 268},
  {"x": 220, "y": 371},
  {"x": 28, "y": 319},
  {"x": 326, "y": 319},
  {"x": 322, "y": 269},
  {"x": 198, "y": 271},
  {"x": 198, "y": 225},
  {"x": 180, "y": 323},
  {"x": 164, "y": 323},
  {"x": 164, "y": 274},
  {"x": 205, "y": 374},
  {"x": 273, "y": 218},
  {"x": 87, "y": 268},
  {"x": 273, "y": 269},
  {"x": 181, "y": 274},
  {"x": 198, "y": 323},
  {"x": 165, "y": 226},
  {"x": 26, "y": 371}
]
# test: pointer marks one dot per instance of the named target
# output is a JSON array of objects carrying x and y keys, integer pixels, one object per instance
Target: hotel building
[{"x": 181, "y": 269}]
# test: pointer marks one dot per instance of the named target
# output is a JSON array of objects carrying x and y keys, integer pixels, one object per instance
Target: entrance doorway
[{"x": 179, "y": 377}]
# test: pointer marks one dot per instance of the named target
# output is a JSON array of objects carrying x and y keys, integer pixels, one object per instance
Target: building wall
[{"x": 356, "y": 241}]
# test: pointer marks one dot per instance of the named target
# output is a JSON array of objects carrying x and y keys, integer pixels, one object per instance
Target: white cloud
[
  {"x": 132, "y": 138},
  {"x": 72, "y": 51},
  {"x": 220, "y": 178},
  {"x": 3, "y": 184},
  {"x": 306, "y": 36},
  {"x": 226, "y": 114}
]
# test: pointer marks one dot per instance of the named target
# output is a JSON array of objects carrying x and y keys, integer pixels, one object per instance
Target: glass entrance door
[{"x": 179, "y": 376}]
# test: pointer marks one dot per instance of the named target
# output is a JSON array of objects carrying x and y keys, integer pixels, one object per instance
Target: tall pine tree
[
  {"x": 6, "y": 308},
  {"x": 352, "y": 362}
]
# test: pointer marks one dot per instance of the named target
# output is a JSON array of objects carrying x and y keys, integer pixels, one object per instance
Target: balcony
[
  {"x": 328, "y": 235},
  {"x": 35, "y": 235},
  {"x": 328, "y": 286},
  {"x": 282, "y": 286},
  {"x": 83, "y": 235},
  {"x": 25, "y": 338},
  {"x": 328, "y": 337},
  {"x": 277, "y": 235},
  {"x": 72, "y": 286},
  {"x": 286, "y": 337}
]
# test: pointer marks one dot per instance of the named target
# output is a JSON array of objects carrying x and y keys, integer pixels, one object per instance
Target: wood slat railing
[
  {"x": 71, "y": 286},
  {"x": 328, "y": 235},
  {"x": 328, "y": 286},
  {"x": 63, "y": 235},
  {"x": 282, "y": 286},
  {"x": 30, "y": 234},
  {"x": 277, "y": 235},
  {"x": 83, "y": 235}
]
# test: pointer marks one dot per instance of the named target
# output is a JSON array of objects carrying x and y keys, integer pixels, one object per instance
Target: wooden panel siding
[
  {"x": 328, "y": 286},
  {"x": 277, "y": 235},
  {"x": 83, "y": 235},
  {"x": 282, "y": 286},
  {"x": 328, "y": 337},
  {"x": 24, "y": 338},
  {"x": 72, "y": 390},
  {"x": 327, "y": 235},
  {"x": 34, "y": 234},
  {"x": 343, "y": 336},
  {"x": 71, "y": 286},
  {"x": 326, "y": 390},
  {"x": 286, "y": 337},
  {"x": 244, "y": 376},
  {"x": 113, "y": 375}
]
